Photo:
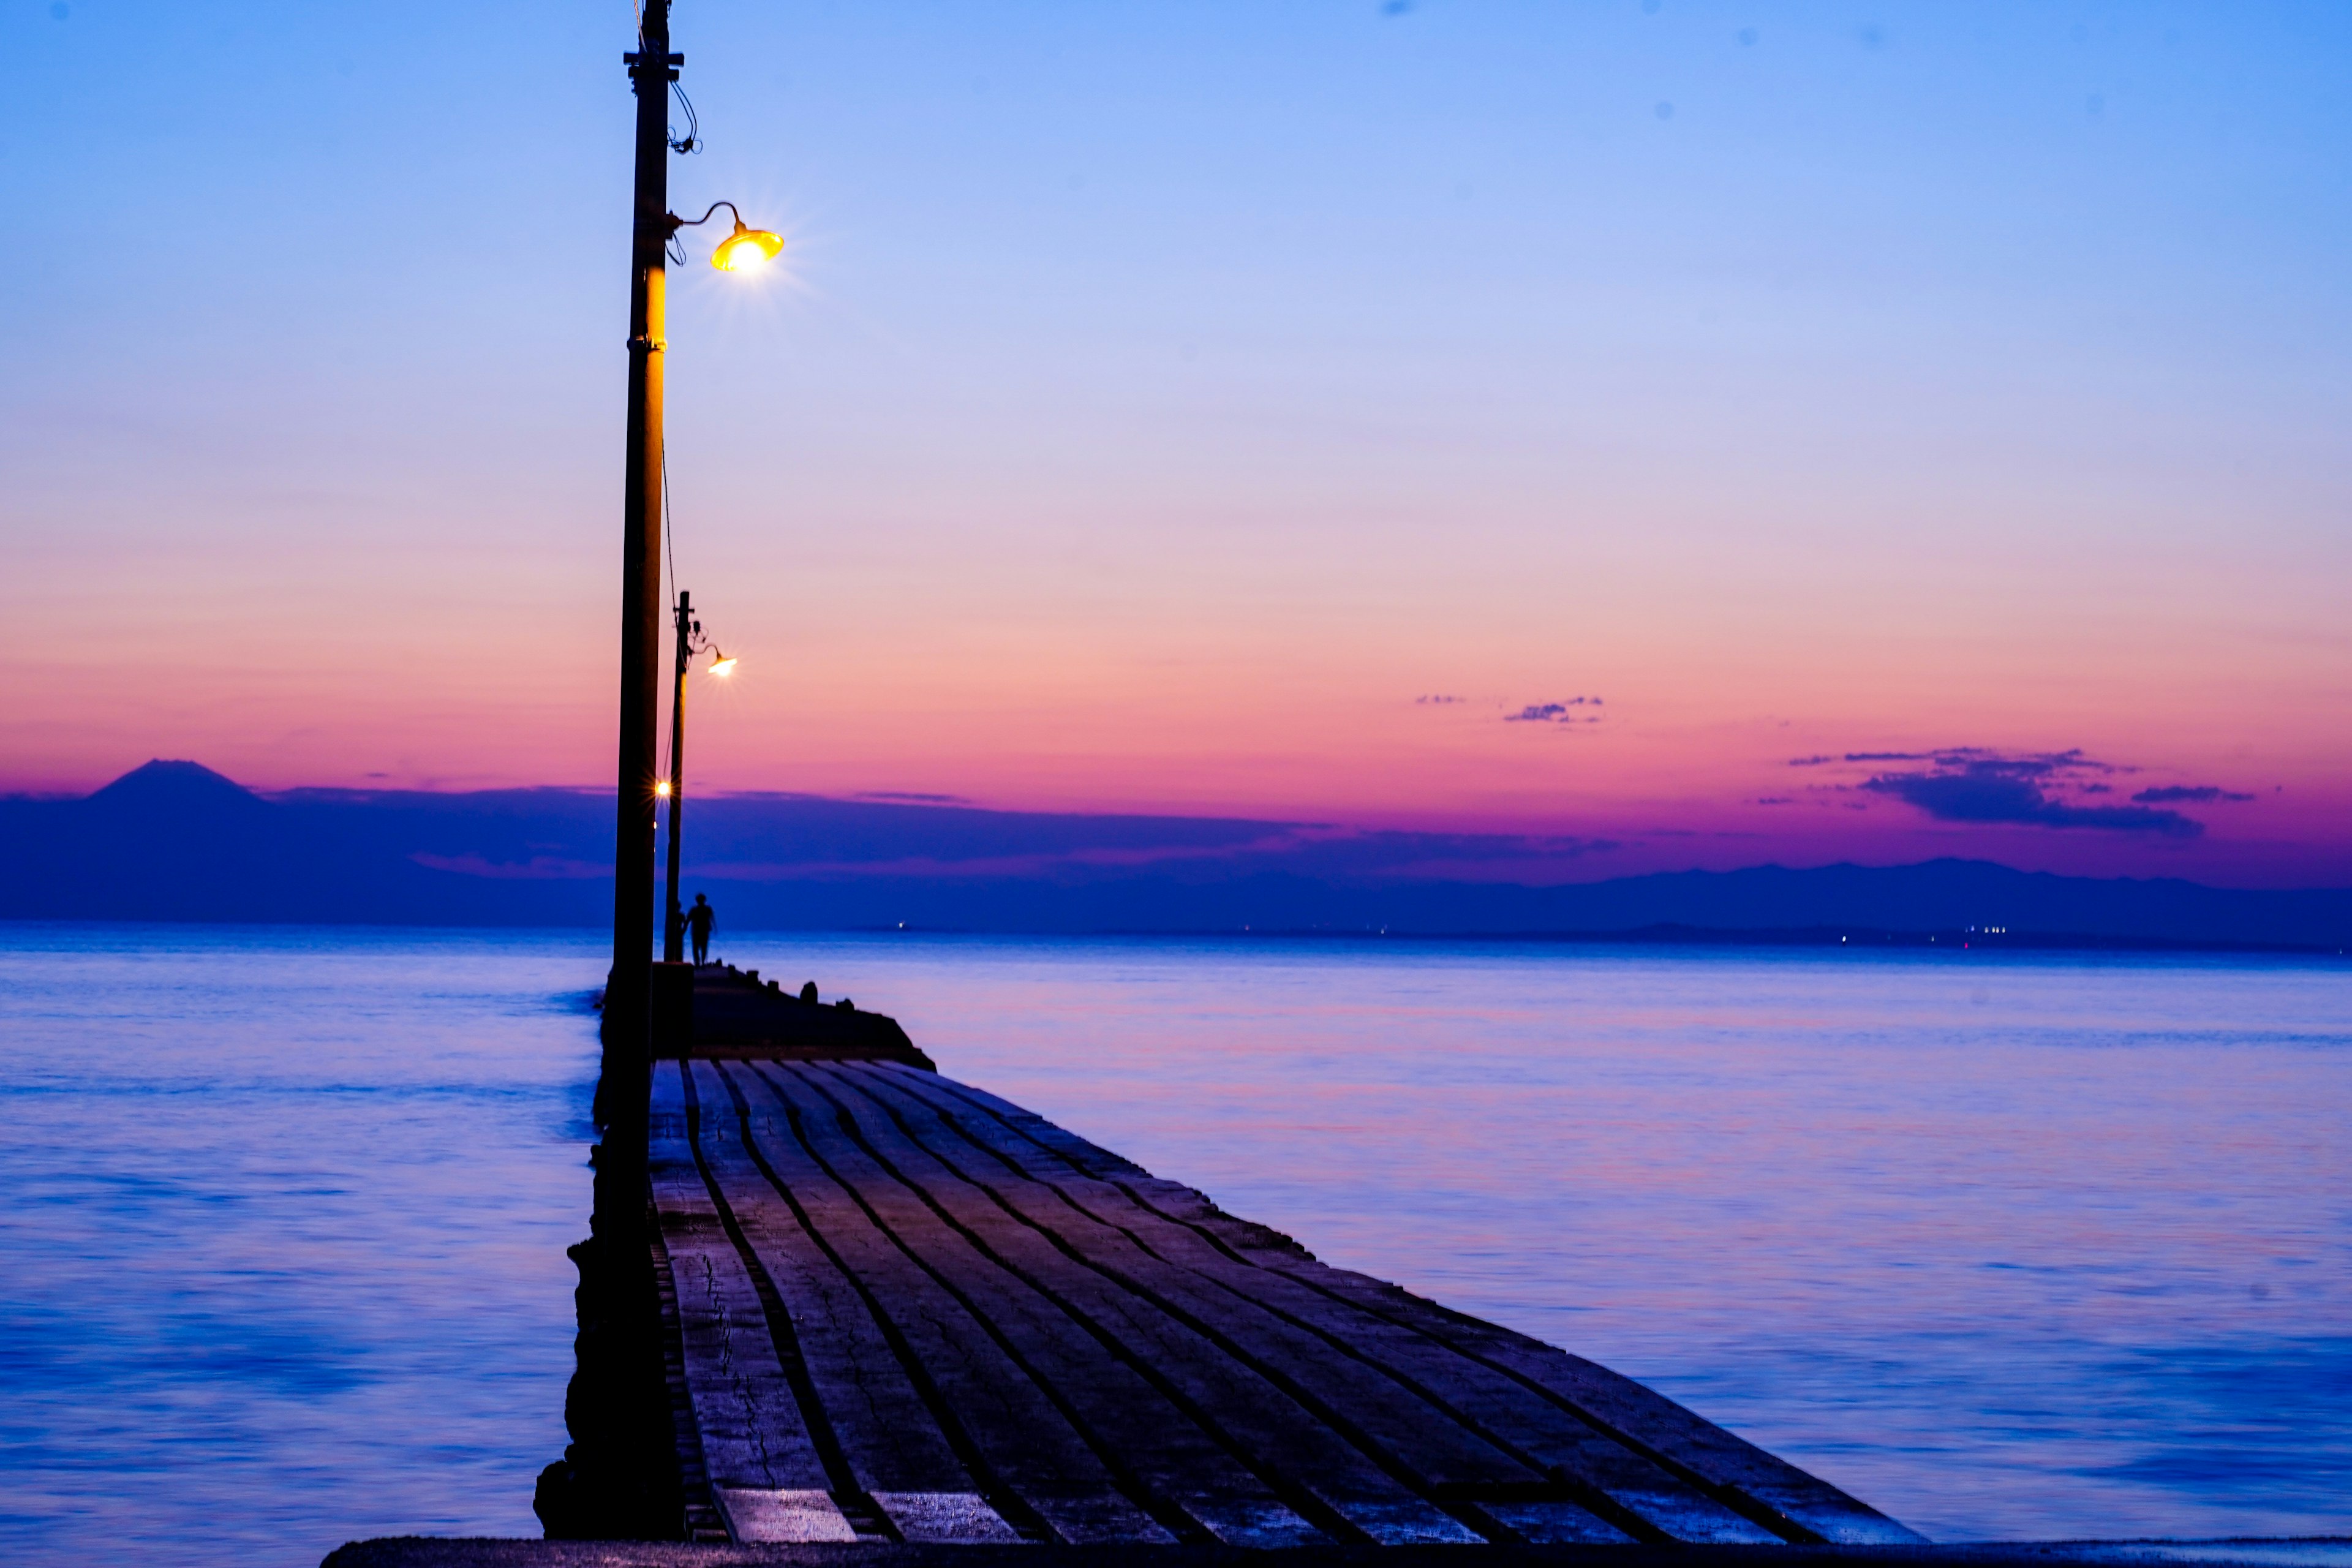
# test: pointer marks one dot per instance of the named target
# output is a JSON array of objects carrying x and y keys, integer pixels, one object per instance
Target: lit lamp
[
  {"x": 673, "y": 788},
  {"x": 748, "y": 249}
]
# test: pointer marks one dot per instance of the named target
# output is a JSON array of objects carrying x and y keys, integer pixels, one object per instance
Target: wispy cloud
[
  {"x": 2163, "y": 793},
  {"x": 1435, "y": 702},
  {"x": 1564, "y": 712},
  {"x": 2014, "y": 765},
  {"x": 911, "y": 797}
]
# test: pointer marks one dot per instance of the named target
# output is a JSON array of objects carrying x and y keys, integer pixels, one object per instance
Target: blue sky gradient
[{"x": 1162, "y": 397}]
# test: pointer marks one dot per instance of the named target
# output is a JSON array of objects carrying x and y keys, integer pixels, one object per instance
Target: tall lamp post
[
  {"x": 610, "y": 1482},
  {"x": 627, "y": 1016},
  {"x": 688, "y": 637}
]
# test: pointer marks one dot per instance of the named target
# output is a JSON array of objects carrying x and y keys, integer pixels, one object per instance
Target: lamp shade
[{"x": 747, "y": 249}]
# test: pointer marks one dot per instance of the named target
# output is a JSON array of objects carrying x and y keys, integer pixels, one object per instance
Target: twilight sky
[{"x": 1907, "y": 428}]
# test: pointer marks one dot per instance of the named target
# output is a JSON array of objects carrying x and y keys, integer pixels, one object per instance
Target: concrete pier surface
[
  {"x": 717, "y": 1010},
  {"x": 906, "y": 1311},
  {"x": 414, "y": 1552},
  {"x": 901, "y": 1319}
]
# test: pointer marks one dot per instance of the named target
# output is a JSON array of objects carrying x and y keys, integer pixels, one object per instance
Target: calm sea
[{"x": 2007, "y": 1245}]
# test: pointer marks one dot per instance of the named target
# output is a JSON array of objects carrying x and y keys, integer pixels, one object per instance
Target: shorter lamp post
[
  {"x": 744, "y": 252},
  {"x": 689, "y": 643}
]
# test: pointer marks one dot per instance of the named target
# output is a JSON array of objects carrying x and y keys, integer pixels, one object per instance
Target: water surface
[
  {"x": 281, "y": 1262},
  {"x": 2008, "y": 1246}
]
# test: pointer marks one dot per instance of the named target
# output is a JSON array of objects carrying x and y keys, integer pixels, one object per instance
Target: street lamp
[
  {"x": 690, "y": 641},
  {"x": 627, "y": 1013},
  {"x": 747, "y": 249},
  {"x": 612, "y": 1416}
]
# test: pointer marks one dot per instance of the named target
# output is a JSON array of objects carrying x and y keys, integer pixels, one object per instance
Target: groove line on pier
[
  {"x": 702, "y": 1521},
  {"x": 1730, "y": 1495},
  {"x": 1304, "y": 1433},
  {"x": 1283, "y": 1486},
  {"x": 1314, "y": 1277},
  {"x": 748, "y": 1428},
  {"x": 991, "y": 1485},
  {"x": 1593, "y": 1492},
  {"x": 856, "y": 1504},
  {"x": 1372, "y": 1448},
  {"x": 1120, "y": 1473},
  {"x": 1169, "y": 1435},
  {"x": 1593, "y": 1498},
  {"x": 957, "y": 1318},
  {"x": 1586, "y": 1489}
]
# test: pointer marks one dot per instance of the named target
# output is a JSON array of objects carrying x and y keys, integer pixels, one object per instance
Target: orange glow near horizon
[{"x": 1684, "y": 759}]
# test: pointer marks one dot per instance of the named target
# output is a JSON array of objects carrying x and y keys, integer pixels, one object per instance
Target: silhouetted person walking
[{"x": 700, "y": 919}]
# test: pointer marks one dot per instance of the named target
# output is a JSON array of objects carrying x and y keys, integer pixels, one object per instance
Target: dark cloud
[
  {"x": 1556, "y": 712},
  {"x": 2000, "y": 765},
  {"x": 1439, "y": 701},
  {"x": 2041, "y": 789},
  {"x": 911, "y": 797},
  {"x": 1990, "y": 792},
  {"x": 2068, "y": 764}
]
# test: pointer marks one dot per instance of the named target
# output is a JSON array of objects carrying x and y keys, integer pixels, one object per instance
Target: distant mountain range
[{"x": 175, "y": 841}]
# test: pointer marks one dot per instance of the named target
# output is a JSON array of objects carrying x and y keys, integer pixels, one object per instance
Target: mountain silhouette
[
  {"x": 174, "y": 785},
  {"x": 176, "y": 841}
]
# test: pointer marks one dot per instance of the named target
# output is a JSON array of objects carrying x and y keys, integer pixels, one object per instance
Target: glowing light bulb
[
  {"x": 722, "y": 667},
  {"x": 747, "y": 249},
  {"x": 661, "y": 788}
]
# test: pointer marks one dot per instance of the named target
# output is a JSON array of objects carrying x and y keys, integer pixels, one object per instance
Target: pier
[
  {"x": 878, "y": 1316},
  {"x": 716, "y": 1010},
  {"x": 897, "y": 1309}
]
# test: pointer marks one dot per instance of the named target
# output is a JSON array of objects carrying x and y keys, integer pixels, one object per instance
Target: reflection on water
[{"x": 2007, "y": 1245}]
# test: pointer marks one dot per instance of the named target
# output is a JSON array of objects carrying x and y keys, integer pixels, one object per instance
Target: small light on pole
[{"x": 689, "y": 642}]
